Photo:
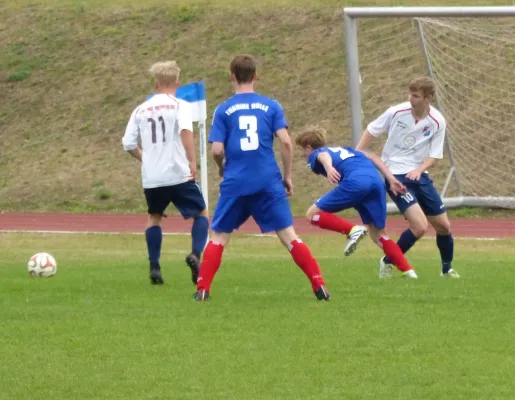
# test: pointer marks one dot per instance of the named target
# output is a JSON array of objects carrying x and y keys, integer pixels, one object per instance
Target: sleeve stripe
[
  {"x": 399, "y": 111},
  {"x": 434, "y": 119}
]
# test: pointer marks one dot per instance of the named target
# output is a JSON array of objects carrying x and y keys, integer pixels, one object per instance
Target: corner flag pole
[{"x": 195, "y": 94}]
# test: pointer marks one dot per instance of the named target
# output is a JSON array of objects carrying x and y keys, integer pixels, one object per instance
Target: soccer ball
[{"x": 42, "y": 264}]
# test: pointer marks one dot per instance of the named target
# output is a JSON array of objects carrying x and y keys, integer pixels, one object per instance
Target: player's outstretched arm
[
  {"x": 435, "y": 153},
  {"x": 364, "y": 141},
  {"x": 380, "y": 165},
  {"x": 188, "y": 142},
  {"x": 377, "y": 127},
  {"x": 395, "y": 186},
  {"x": 325, "y": 159},
  {"x": 217, "y": 150},
  {"x": 415, "y": 174},
  {"x": 287, "y": 157}
]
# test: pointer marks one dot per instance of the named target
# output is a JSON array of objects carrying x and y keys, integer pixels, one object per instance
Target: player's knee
[
  {"x": 154, "y": 220},
  {"x": 203, "y": 213},
  {"x": 286, "y": 236},
  {"x": 418, "y": 226},
  {"x": 312, "y": 211},
  {"x": 375, "y": 233},
  {"x": 220, "y": 238},
  {"x": 443, "y": 227},
  {"x": 419, "y": 230}
]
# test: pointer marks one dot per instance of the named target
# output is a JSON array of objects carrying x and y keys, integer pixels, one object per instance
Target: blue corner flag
[{"x": 195, "y": 94}]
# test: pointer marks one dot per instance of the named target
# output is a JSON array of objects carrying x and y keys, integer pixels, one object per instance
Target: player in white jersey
[
  {"x": 164, "y": 125},
  {"x": 416, "y": 134}
]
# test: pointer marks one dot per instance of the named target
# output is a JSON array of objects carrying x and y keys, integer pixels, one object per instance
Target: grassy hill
[{"x": 71, "y": 73}]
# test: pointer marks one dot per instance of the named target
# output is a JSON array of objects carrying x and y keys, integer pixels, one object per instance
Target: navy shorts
[
  {"x": 422, "y": 192},
  {"x": 367, "y": 195},
  {"x": 269, "y": 208},
  {"x": 186, "y": 197}
]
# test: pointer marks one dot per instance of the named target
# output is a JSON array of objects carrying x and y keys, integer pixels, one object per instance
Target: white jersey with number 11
[{"x": 159, "y": 122}]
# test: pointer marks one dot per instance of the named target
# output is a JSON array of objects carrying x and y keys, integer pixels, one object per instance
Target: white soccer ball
[{"x": 42, "y": 264}]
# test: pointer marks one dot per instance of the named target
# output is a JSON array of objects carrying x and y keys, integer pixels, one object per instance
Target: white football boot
[
  {"x": 451, "y": 274},
  {"x": 355, "y": 235},
  {"x": 410, "y": 274},
  {"x": 385, "y": 269}
]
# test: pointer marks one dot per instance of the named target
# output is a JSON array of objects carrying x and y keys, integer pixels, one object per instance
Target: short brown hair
[
  {"x": 425, "y": 84},
  {"x": 244, "y": 68},
  {"x": 313, "y": 136}
]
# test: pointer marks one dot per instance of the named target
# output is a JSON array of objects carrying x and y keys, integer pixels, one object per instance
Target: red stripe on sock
[
  {"x": 307, "y": 263},
  {"x": 331, "y": 222},
  {"x": 211, "y": 261},
  {"x": 394, "y": 253}
]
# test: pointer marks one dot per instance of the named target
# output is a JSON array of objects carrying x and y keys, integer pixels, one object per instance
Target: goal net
[{"x": 472, "y": 61}]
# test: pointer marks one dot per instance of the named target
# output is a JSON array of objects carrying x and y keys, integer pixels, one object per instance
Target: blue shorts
[
  {"x": 186, "y": 197},
  {"x": 422, "y": 192},
  {"x": 269, "y": 208},
  {"x": 367, "y": 196}
]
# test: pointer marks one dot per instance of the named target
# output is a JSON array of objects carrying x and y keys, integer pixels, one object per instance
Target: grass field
[
  {"x": 71, "y": 72},
  {"x": 99, "y": 330}
]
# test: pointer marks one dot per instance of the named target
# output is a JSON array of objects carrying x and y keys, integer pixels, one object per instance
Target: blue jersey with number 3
[
  {"x": 246, "y": 124},
  {"x": 346, "y": 161}
]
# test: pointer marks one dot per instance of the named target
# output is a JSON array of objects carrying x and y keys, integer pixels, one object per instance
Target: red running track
[{"x": 135, "y": 223}]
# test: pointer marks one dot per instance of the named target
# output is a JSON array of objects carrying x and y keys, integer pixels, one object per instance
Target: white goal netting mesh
[{"x": 473, "y": 62}]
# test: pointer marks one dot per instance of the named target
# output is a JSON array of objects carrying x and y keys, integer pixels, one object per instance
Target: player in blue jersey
[
  {"x": 242, "y": 134},
  {"x": 358, "y": 185}
]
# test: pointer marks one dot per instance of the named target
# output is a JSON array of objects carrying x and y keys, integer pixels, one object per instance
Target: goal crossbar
[{"x": 455, "y": 12}]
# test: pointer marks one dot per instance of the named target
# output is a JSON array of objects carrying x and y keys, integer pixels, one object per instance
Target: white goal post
[{"x": 470, "y": 54}]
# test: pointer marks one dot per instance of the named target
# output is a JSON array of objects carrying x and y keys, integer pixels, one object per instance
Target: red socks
[
  {"x": 212, "y": 258},
  {"x": 331, "y": 222},
  {"x": 394, "y": 253},
  {"x": 211, "y": 261},
  {"x": 307, "y": 263}
]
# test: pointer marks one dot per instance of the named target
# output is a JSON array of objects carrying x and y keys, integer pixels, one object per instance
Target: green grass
[
  {"x": 81, "y": 68},
  {"x": 99, "y": 330},
  {"x": 83, "y": 5}
]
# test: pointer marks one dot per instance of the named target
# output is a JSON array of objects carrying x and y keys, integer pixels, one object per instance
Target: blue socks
[
  {"x": 405, "y": 242},
  {"x": 154, "y": 236},
  {"x": 446, "y": 246},
  {"x": 199, "y": 233}
]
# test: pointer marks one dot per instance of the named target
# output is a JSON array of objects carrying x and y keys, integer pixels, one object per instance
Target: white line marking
[
  {"x": 119, "y": 233},
  {"x": 266, "y": 235}
]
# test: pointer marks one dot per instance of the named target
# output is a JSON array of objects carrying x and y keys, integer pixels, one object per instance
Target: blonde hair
[
  {"x": 313, "y": 136},
  {"x": 424, "y": 84},
  {"x": 165, "y": 72}
]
